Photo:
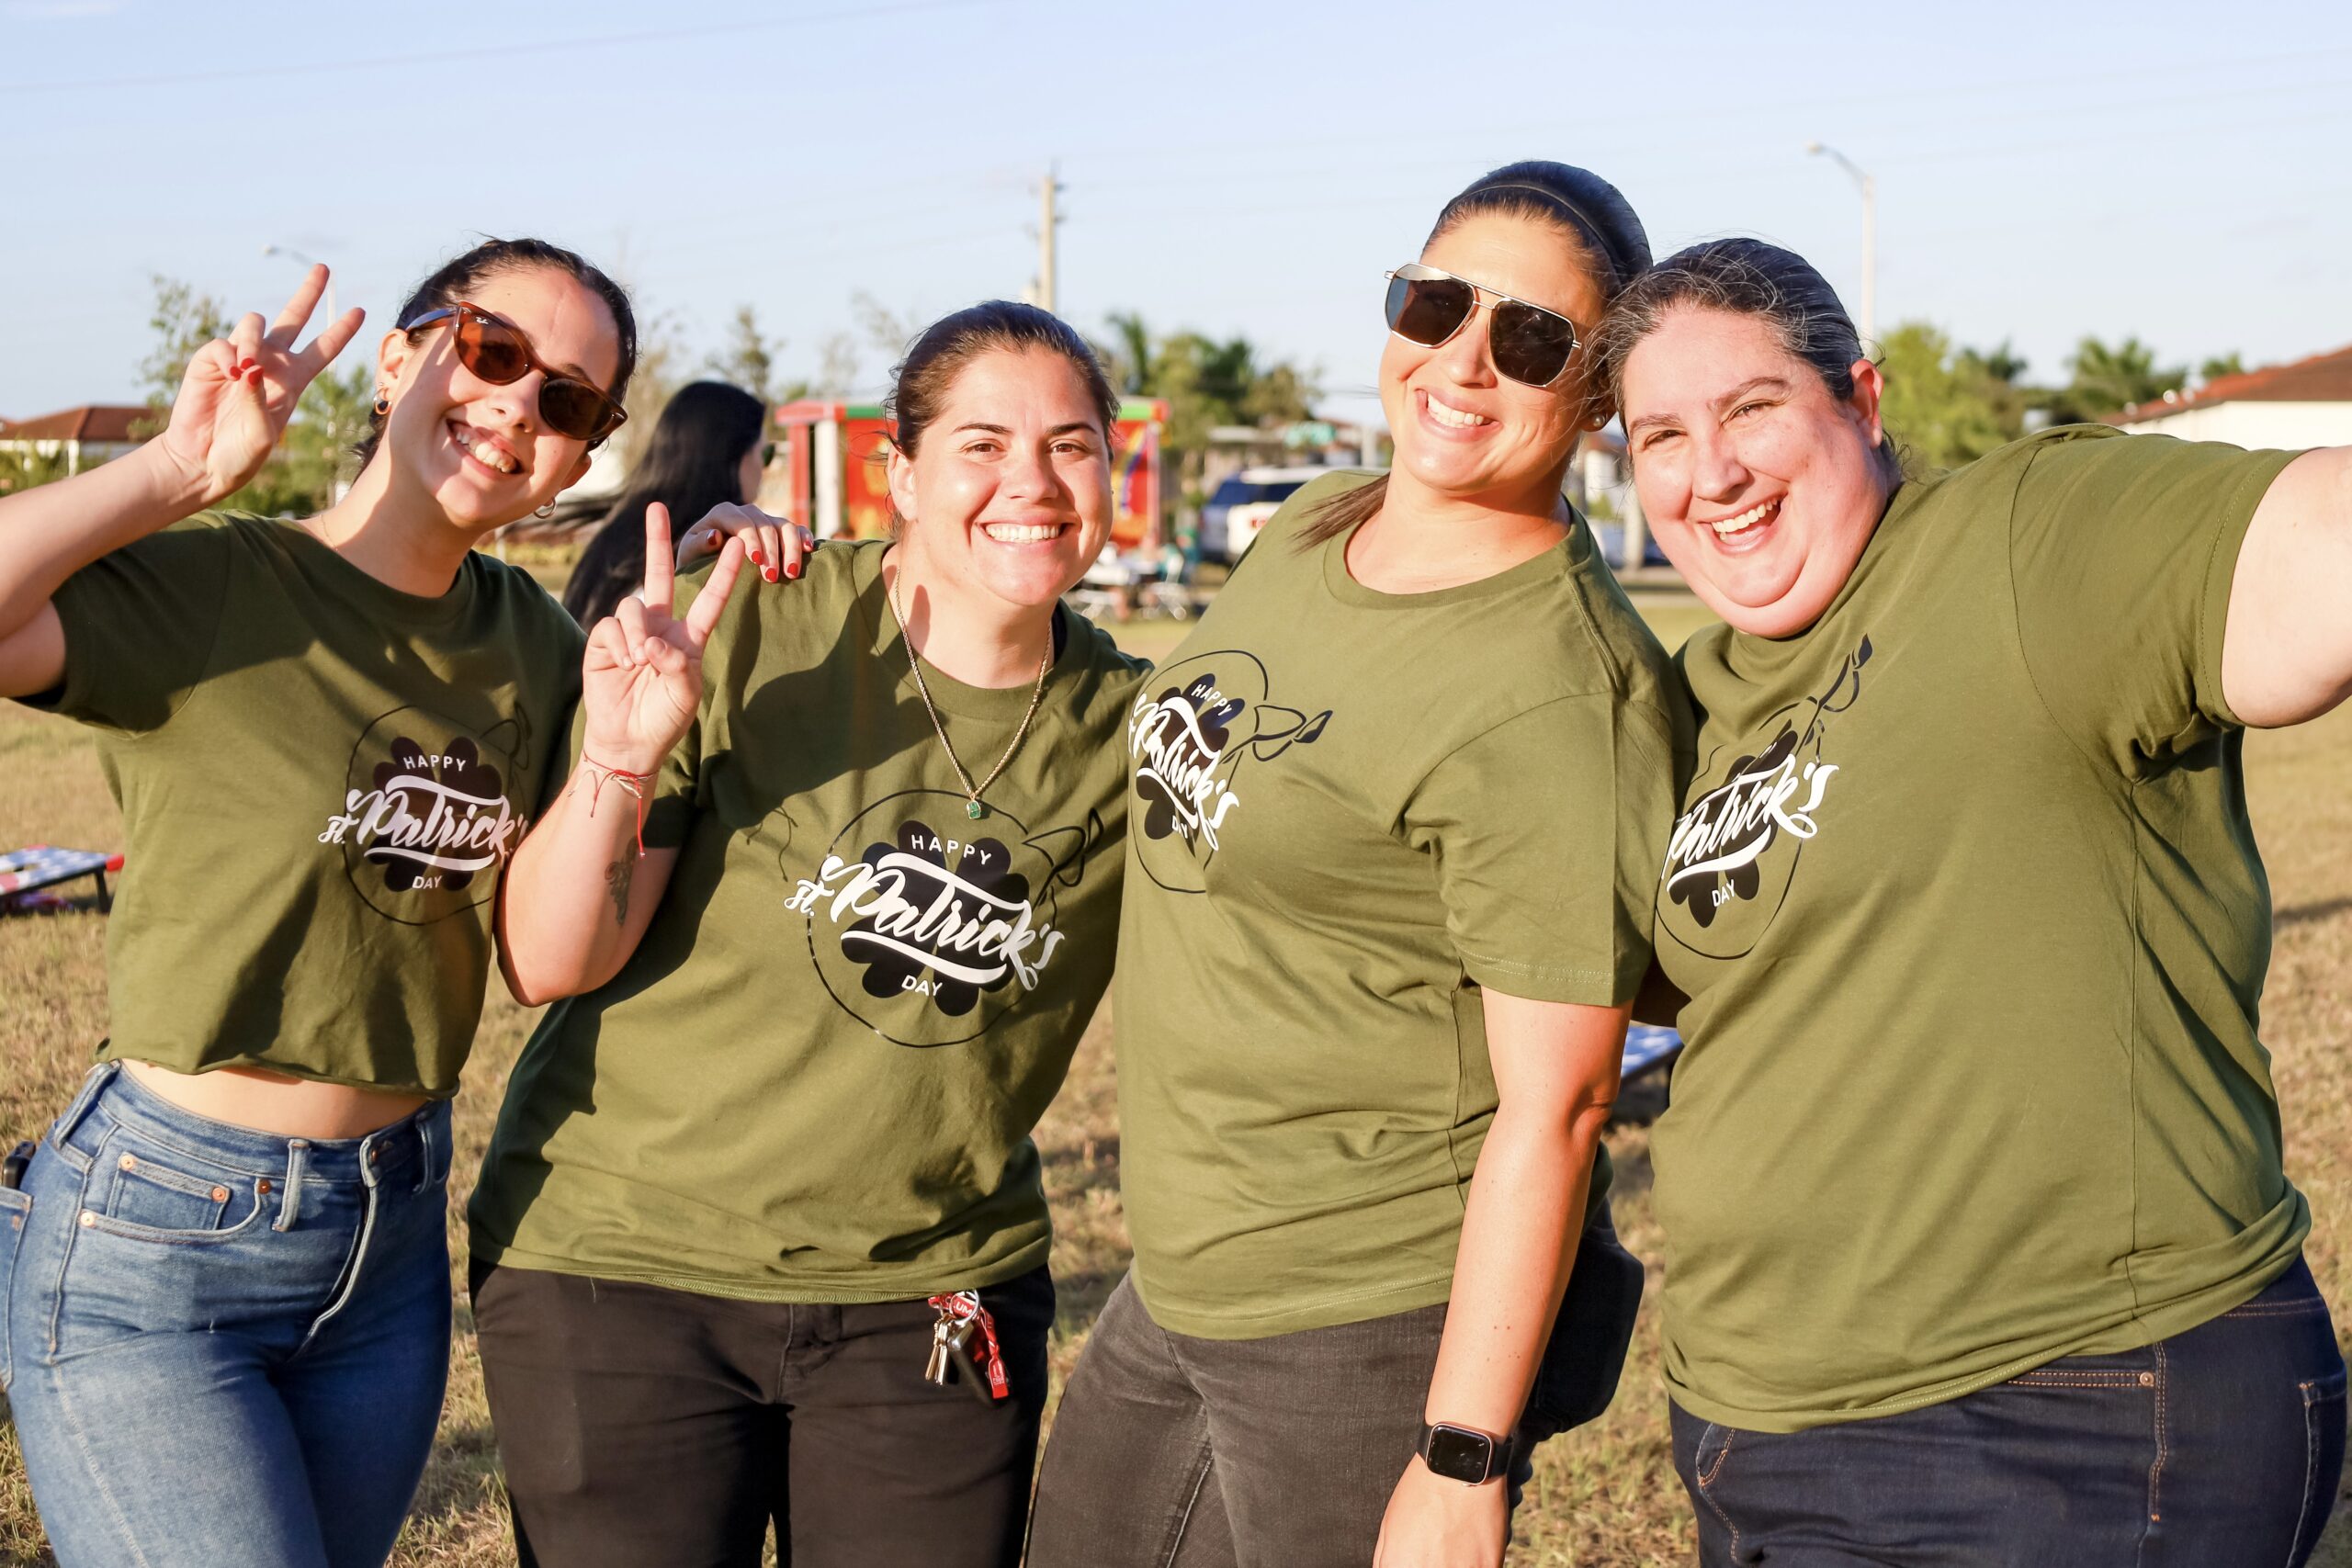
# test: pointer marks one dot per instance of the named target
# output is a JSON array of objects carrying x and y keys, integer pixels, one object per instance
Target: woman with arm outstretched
[{"x": 1981, "y": 1244}]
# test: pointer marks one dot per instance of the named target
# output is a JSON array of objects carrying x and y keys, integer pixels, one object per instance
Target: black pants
[
  {"x": 658, "y": 1429},
  {"x": 1170, "y": 1451},
  {"x": 2218, "y": 1448}
]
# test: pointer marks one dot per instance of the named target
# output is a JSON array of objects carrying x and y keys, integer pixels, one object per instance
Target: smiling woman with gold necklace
[{"x": 774, "y": 1167}]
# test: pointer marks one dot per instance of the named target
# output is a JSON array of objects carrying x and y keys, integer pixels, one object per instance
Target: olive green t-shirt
[
  {"x": 320, "y": 779},
  {"x": 1968, "y": 909},
  {"x": 1349, "y": 811},
  {"x": 816, "y": 1077}
]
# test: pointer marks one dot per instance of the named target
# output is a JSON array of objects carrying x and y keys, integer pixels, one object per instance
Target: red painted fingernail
[
  {"x": 768, "y": 572},
  {"x": 755, "y": 556},
  {"x": 793, "y": 570}
]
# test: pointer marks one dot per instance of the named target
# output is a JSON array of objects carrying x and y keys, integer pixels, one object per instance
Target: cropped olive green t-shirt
[
  {"x": 1968, "y": 909},
  {"x": 1349, "y": 811},
  {"x": 816, "y": 1077},
  {"x": 320, "y": 779}
]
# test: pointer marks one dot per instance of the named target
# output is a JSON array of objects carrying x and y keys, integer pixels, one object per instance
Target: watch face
[{"x": 1459, "y": 1455}]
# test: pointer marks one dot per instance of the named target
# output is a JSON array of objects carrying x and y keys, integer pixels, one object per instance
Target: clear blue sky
[{"x": 2179, "y": 171}]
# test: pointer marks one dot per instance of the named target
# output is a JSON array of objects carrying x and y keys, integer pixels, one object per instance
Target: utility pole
[
  {"x": 1868, "y": 185},
  {"x": 1049, "y": 189}
]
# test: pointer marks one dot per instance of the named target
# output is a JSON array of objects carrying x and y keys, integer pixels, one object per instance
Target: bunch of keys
[{"x": 963, "y": 1320}]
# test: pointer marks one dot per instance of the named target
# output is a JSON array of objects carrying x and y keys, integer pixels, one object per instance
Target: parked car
[{"x": 1231, "y": 517}]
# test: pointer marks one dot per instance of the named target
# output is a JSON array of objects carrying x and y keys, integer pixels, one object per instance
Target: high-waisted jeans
[{"x": 220, "y": 1345}]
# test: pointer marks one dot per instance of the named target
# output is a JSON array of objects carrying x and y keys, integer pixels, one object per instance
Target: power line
[{"x": 443, "y": 56}]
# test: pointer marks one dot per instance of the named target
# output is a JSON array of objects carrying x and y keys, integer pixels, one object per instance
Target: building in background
[
  {"x": 83, "y": 437},
  {"x": 2282, "y": 407}
]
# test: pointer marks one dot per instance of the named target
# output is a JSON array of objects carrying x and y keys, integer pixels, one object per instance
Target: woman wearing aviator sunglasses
[
  {"x": 1396, "y": 805},
  {"x": 226, "y": 1272}
]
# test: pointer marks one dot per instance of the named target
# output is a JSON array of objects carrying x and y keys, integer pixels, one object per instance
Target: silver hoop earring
[
  {"x": 546, "y": 510},
  {"x": 383, "y": 405}
]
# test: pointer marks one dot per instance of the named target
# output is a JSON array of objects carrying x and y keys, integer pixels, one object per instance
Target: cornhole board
[
  {"x": 1648, "y": 1049},
  {"x": 45, "y": 865}
]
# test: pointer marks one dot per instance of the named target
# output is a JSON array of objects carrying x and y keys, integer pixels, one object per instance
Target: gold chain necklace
[{"x": 972, "y": 807}]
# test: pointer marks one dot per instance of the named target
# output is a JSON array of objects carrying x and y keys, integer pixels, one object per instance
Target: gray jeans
[{"x": 1170, "y": 1451}]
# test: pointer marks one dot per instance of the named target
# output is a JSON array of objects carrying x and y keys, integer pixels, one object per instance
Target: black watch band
[{"x": 1464, "y": 1453}]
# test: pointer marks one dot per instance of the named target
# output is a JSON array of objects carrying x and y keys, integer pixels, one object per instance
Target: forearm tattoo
[{"x": 617, "y": 877}]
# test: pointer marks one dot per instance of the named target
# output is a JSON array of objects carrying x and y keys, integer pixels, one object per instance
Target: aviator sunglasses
[
  {"x": 497, "y": 351},
  {"x": 1531, "y": 344}
]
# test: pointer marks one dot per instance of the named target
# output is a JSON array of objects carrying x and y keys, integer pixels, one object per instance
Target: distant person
[
  {"x": 1394, "y": 808},
  {"x": 226, "y": 1273},
  {"x": 1982, "y": 1249},
  {"x": 708, "y": 449},
  {"x": 773, "y": 1154}
]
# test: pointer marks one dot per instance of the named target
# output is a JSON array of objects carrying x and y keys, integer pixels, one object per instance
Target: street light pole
[
  {"x": 1868, "y": 185},
  {"x": 291, "y": 253}
]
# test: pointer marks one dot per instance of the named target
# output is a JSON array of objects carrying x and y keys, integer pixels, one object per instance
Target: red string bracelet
[{"x": 632, "y": 784}]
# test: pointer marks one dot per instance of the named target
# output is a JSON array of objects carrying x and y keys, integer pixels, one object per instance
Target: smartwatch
[{"x": 1464, "y": 1453}]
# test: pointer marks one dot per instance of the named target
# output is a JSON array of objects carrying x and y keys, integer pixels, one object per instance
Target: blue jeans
[
  {"x": 221, "y": 1346},
  {"x": 2222, "y": 1446}
]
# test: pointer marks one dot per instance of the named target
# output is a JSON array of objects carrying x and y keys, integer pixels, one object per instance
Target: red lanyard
[{"x": 964, "y": 1306}]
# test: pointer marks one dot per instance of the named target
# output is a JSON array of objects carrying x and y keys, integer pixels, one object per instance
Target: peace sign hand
[
  {"x": 240, "y": 391},
  {"x": 642, "y": 678}
]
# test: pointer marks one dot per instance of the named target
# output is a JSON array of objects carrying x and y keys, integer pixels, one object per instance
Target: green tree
[
  {"x": 752, "y": 361},
  {"x": 1206, "y": 384},
  {"x": 1128, "y": 356},
  {"x": 314, "y": 462},
  {"x": 313, "y": 459},
  {"x": 749, "y": 358},
  {"x": 183, "y": 322},
  {"x": 1949, "y": 406},
  {"x": 2109, "y": 378},
  {"x": 2218, "y": 366},
  {"x": 22, "y": 470}
]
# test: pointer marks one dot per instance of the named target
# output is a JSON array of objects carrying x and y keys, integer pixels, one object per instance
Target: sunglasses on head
[
  {"x": 1530, "y": 345},
  {"x": 497, "y": 351}
]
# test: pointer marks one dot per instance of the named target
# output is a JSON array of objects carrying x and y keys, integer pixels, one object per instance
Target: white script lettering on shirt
[{"x": 997, "y": 935}]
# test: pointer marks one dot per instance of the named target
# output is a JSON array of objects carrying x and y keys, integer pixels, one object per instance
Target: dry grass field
[{"x": 1602, "y": 1495}]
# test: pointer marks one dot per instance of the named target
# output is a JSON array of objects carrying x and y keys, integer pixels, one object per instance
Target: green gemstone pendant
[{"x": 974, "y": 810}]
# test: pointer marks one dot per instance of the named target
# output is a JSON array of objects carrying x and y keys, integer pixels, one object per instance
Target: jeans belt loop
[
  {"x": 92, "y": 1086},
  {"x": 424, "y": 1120},
  {"x": 289, "y": 1204}
]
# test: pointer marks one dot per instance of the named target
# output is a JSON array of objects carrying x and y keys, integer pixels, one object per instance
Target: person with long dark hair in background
[
  {"x": 227, "y": 1312},
  {"x": 706, "y": 451},
  {"x": 1395, "y": 805}
]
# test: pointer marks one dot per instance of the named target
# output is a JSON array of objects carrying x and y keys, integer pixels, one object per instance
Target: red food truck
[{"x": 831, "y": 470}]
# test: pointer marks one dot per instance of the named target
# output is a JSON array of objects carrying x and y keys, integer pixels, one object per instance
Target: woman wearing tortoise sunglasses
[
  {"x": 1395, "y": 807},
  {"x": 225, "y": 1274}
]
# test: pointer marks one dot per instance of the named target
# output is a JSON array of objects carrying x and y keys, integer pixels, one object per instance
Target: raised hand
[
  {"x": 240, "y": 391},
  {"x": 777, "y": 546},
  {"x": 641, "y": 676}
]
